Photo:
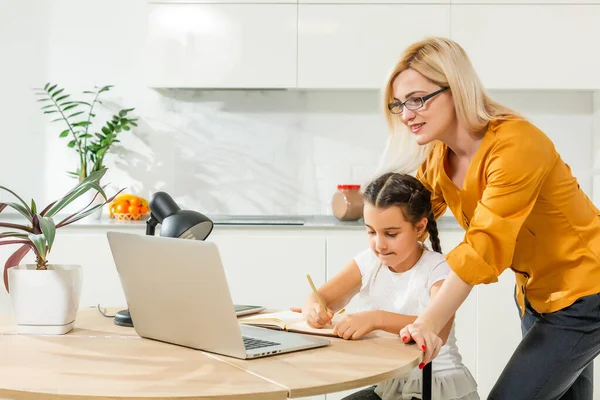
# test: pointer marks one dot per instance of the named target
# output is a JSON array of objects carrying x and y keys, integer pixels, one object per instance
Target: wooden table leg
[{"x": 426, "y": 383}]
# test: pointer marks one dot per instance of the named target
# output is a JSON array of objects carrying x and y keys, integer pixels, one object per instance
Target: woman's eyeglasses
[{"x": 413, "y": 103}]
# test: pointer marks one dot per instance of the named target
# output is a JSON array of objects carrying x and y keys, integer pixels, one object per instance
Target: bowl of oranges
[{"x": 128, "y": 207}]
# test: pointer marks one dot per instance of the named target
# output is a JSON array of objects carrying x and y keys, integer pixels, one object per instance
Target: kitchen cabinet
[
  {"x": 499, "y": 2},
  {"x": 530, "y": 46},
  {"x": 223, "y": 1},
  {"x": 366, "y": 2},
  {"x": 354, "y": 46},
  {"x": 221, "y": 45}
]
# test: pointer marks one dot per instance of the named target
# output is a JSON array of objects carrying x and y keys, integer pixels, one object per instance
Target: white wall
[{"x": 229, "y": 152}]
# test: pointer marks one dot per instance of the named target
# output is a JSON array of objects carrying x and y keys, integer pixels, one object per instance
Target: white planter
[{"x": 45, "y": 301}]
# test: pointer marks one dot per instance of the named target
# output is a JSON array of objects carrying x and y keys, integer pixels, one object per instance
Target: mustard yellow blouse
[{"x": 522, "y": 209}]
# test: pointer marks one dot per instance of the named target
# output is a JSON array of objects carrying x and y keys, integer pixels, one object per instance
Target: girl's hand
[
  {"x": 425, "y": 338},
  {"x": 355, "y": 326},
  {"x": 315, "y": 315}
]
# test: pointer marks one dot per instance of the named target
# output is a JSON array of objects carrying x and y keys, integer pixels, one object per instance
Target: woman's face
[{"x": 436, "y": 119}]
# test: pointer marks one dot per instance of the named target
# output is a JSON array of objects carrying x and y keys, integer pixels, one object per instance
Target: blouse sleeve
[{"x": 516, "y": 170}]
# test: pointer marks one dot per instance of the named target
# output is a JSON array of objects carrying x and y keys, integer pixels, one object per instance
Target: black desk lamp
[{"x": 176, "y": 223}]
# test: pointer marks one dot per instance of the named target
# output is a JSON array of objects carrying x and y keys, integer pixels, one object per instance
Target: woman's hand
[
  {"x": 355, "y": 326},
  {"x": 425, "y": 338}
]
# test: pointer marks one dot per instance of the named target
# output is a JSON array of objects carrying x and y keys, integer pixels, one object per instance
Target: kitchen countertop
[{"x": 287, "y": 221}]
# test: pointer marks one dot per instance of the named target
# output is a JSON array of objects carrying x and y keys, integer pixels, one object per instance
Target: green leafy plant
[
  {"x": 38, "y": 235},
  {"x": 77, "y": 116}
]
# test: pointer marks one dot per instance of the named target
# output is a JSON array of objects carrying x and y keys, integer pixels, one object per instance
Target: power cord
[{"x": 103, "y": 312}]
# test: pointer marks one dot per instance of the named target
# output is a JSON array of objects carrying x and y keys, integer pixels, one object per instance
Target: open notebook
[{"x": 289, "y": 321}]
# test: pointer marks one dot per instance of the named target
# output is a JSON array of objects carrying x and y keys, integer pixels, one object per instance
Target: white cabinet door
[
  {"x": 355, "y": 46},
  {"x": 530, "y": 46},
  {"x": 499, "y": 330},
  {"x": 221, "y": 45},
  {"x": 573, "y": 2},
  {"x": 366, "y": 2},
  {"x": 465, "y": 322},
  {"x": 271, "y": 270},
  {"x": 225, "y": 1},
  {"x": 342, "y": 246}
]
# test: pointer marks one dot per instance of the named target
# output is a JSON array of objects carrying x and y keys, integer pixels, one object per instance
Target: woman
[{"x": 521, "y": 208}]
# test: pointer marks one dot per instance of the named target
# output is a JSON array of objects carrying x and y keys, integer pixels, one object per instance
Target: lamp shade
[{"x": 178, "y": 223}]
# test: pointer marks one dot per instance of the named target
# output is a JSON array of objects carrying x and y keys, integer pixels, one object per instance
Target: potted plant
[
  {"x": 77, "y": 117},
  {"x": 45, "y": 296}
]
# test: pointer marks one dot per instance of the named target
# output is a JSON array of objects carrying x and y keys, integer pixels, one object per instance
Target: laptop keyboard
[{"x": 251, "y": 343}]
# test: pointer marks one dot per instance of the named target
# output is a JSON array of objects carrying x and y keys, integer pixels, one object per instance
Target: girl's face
[
  {"x": 392, "y": 238},
  {"x": 436, "y": 119}
]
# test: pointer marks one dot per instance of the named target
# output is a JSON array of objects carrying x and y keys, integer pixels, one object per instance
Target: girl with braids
[{"x": 395, "y": 277}]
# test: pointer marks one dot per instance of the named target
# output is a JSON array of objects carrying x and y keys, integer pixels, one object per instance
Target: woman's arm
[
  {"x": 393, "y": 323},
  {"x": 433, "y": 322}
]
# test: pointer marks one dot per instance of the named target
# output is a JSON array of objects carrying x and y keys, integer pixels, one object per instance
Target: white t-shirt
[{"x": 408, "y": 293}]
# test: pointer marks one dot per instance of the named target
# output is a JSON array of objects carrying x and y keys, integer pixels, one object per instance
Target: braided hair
[{"x": 408, "y": 193}]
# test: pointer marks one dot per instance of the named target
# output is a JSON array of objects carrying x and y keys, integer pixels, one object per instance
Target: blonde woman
[{"x": 521, "y": 208}]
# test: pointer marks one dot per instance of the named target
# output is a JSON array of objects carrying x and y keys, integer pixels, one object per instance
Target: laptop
[{"x": 177, "y": 292}]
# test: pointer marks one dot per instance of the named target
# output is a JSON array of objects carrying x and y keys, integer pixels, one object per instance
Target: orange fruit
[
  {"x": 121, "y": 207},
  {"x": 143, "y": 210},
  {"x": 135, "y": 201},
  {"x": 133, "y": 209}
]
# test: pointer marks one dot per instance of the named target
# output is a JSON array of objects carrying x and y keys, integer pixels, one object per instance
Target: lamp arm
[{"x": 151, "y": 224}]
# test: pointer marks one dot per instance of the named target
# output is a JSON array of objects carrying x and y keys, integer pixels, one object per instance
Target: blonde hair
[{"x": 445, "y": 63}]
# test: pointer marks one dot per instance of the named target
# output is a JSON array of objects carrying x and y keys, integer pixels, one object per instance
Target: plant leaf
[
  {"x": 59, "y": 91},
  {"x": 64, "y": 133},
  {"x": 24, "y": 211},
  {"x": 82, "y": 123},
  {"x": 48, "y": 229},
  {"x": 88, "y": 183},
  {"x": 51, "y": 88},
  {"x": 75, "y": 114},
  {"x": 49, "y": 206},
  {"x": 72, "y": 143},
  {"x": 46, "y": 86},
  {"x": 16, "y": 226},
  {"x": 68, "y": 221},
  {"x": 67, "y": 108},
  {"x": 2, "y": 206},
  {"x": 20, "y": 199},
  {"x": 33, "y": 207},
  {"x": 61, "y": 98},
  {"x": 39, "y": 241},
  {"x": 50, "y": 112},
  {"x": 15, "y": 259}
]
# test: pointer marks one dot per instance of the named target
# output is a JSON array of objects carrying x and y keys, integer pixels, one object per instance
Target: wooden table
[{"x": 106, "y": 361}]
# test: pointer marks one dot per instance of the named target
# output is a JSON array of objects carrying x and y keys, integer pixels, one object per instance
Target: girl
[
  {"x": 521, "y": 208},
  {"x": 395, "y": 277}
]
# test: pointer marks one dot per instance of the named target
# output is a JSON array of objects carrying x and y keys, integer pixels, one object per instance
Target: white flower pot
[{"x": 45, "y": 301}]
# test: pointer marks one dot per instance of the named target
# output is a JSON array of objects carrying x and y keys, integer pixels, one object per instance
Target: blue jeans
[{"x": 555, "y": 357}]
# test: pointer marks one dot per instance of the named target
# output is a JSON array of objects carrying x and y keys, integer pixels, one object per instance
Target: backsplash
[{"x": 283, "y": 152}]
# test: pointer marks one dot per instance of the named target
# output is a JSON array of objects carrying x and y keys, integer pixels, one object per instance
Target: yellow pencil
[
  {"x": 314, "y": 289},
  {"x": 318, "y": 297}
]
